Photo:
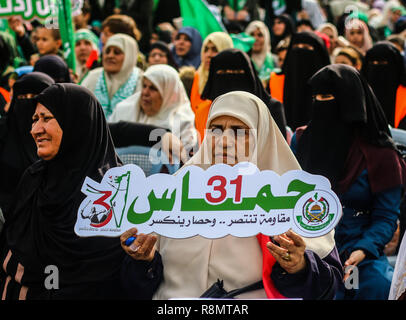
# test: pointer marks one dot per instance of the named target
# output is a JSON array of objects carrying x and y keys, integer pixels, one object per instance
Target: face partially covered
[
  {"x": 46, "y": 132},
  {"x": 231, "y": 140}
]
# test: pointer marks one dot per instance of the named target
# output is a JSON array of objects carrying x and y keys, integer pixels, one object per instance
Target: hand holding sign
[
  {"x": 290, "y": 253},
  {"x": 142, "y": 248},
  {"x": 222, "y": 200}
]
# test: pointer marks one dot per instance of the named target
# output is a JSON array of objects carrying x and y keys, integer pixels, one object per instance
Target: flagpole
[{"x": 67, "y": 32}]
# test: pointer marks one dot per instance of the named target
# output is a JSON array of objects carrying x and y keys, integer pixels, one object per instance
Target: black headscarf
[
  {"x": 385, "y": 78},
  {"x": 17, "y": 147},
  {"x": 55, "y": 67},
  {"x": 164, "y": 48},
  {"x": 41, "y": 227},
  {"x": 354, "y": 115},
  {"x": 300, "y": 64},
  {"x": 233, "y": 70},
  {"x": 289, "y": 29}
]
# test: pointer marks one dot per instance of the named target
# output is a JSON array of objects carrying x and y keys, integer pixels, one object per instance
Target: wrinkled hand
[
  {"x": 355, "y": 258},
  {"x": 290, "y": 242},
  {"x": 173, "y": 148},
  {"x": 143, "y": 247}
]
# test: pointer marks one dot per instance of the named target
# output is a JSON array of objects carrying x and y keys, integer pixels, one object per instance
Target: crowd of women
[{"x": 303, "y": 85}]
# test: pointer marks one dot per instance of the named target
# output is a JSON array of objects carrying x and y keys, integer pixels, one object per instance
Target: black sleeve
[
  {"x": 278, "y": 114},
  {"x": 126, "y": 134},
  {"x": 320, "y": 279},
  {"x": 27, "y": 46},
  {"x": 140, "y": 279}
]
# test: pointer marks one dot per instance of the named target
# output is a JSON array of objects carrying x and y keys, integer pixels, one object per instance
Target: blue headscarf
[{"x": 192, "y": 58}]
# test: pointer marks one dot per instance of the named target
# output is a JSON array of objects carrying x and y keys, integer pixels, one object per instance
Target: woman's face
[
  {"x": 46, "y": 132},
  {"x": 83, "y": 49},
  {"x": 113, "y": 59},
  {"x": 259, "y": 41},
  {"x": 278, "y": 27},
  {"x": 231, "y": 140},
  {"x": 182, "y": 45},
  {"x": 209, "y": 52},
  {"x": 157, "y": 56},
  {"x": 341, "y": 59},
  {"x": 356, "y": 37},
  {"x": 151, "y": 100}
]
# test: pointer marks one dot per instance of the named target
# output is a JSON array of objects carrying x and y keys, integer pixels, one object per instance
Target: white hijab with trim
[
  {"x": 192, "y": 265},
  {"x": 175, "y": 113},
  {"x": 259, "y": 58}
]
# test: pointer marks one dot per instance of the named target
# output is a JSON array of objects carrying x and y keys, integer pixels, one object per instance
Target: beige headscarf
[
  {"x": 259, "y": 58},
  {"x": 192, "y": 265},
  {"x": 175, "y": 113},
  {"x": 114, "y": 81},
  {"x": 222, "y": 41}
]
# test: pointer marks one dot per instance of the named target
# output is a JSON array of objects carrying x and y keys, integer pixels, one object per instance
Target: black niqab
[
  {"x": 324, "y": 145},
  {"x": 300, "y": 64},
  {"x": 385, "y": 78},
  {"x": 41, "y": 228},
  {"x": 233, "y": 70},
  {"x": 17, "y": 147}
]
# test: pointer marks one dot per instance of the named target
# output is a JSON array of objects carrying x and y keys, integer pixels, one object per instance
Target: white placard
[{"x": 223, "y": 200}]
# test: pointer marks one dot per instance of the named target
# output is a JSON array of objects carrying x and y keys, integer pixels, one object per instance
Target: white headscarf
[
  {"x": 114, "y": 81},
  {"x": 129, "y": 46},
  {"x": 259, "y": 58},
  {"x": 175, "y": 113},
  {"x": 192, "y": 265},
  {"x": 222, "y": 41}
]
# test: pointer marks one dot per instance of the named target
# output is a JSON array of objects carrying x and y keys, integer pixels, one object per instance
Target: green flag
[
  {"x": 196, "y": 14},
  {"x": 67, "y": 32}
]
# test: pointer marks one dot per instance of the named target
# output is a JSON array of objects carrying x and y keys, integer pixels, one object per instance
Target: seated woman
[
  {"x": 162, "y": 102},
  {"x": 349, "y": 129},
  {"x": 160, "y": 53},
  {"x": 119, "y": 77},
  {"x": 261, "y": 51},
  {"x": 192, "y": 265},
  {"x": 349, "y": 56},
  {"x": 213, "y": 44},
  {"x": 73, "y": 142},
  {"x": 17, "y": 148},
  {"x": 385, "y": 72},
  {"x": 357, "y": 33},
  {"x": 187, "y": 45},
  {"x": 230, "y": 70}
]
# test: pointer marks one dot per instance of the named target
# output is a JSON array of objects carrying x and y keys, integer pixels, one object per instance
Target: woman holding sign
[
  {"x": 43, "y": 258},
  {"x": 349, "y": 142},
  {"x": 297, "y": 267}
]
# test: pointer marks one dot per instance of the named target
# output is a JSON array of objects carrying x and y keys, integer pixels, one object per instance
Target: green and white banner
[
  {"x": 30, "y": 9},
  {"x": 222, "y": 200}
]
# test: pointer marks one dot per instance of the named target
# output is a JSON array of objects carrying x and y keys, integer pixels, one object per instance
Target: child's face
[{"x": 46, "y": 43}]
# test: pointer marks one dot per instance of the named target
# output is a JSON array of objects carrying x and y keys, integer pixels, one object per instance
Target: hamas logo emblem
[{"x": 317, "y": 211}]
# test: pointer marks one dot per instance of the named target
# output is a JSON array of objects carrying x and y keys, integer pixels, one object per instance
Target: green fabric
[
  {"x": 243, "y": 41},
  {"x": 85, "y": 34},
  {"x": 196, "y": 14},
  {"x": 267, "y": 67},
  {"x": 359, "y": 15},
  {"x": 67, "y": 32},
  {"x": 156, "y": 2},
  {"x": 237, "y": 5},
  {"x": 126, "y": 90}
]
